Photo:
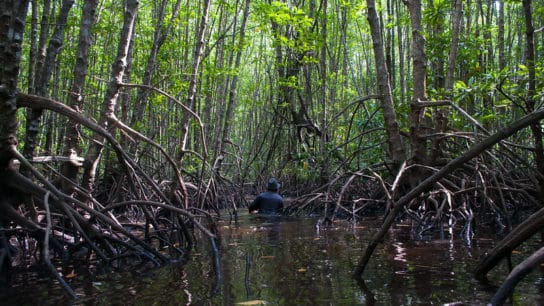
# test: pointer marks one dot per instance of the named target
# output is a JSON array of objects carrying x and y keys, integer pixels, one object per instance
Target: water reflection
[
  {"x": 271, "y": 225},
  {"x": 285, "y": 261}
]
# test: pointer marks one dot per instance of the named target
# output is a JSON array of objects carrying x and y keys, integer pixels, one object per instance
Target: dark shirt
[{"x": 268, "y": 202}]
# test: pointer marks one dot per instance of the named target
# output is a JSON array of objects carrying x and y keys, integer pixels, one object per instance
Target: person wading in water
[{"x": 269, "y": 202}]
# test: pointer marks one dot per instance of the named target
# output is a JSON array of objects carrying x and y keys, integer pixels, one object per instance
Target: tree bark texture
[
  {"x": 92, "y": 157},
  {"x": 75, "y": 100},
  {"x": 457, "y": 21},
  {"x": 232, "y": 86},
  {"x": 160, "y": 35},
  {"x": 419, "y": 74},
  {"x": 12, "y": 24},
  {"x": 536, "y": 128},
  {"x": 193, "y": 81},
  {"x": 394, "y": 141},
  {"x": 55, "y": 43}
]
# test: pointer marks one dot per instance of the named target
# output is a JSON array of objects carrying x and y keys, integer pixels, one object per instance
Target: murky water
[{"x": 291, "y": 262}]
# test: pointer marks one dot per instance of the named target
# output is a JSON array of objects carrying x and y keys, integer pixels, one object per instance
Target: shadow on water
[{"x": 289, "y": 261}]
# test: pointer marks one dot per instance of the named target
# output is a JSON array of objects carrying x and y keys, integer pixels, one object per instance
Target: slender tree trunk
[
  {"x": 231, "y": 102},
  {"x": 33, "y": 53},
  {"x": 441, "y": 115},
  {"x": 325, "y": 99},
  {"x": 394, "y": 141},
  {"x": 457, "y": 21},
  {"x": 45, "y": 27},
  {"x": 536, "y": 128},
  {"x": 75, "y": 100},
  {"x": 193, "y": 82},
  {"x": 419, "y": 73},
  {"x": 400, "y": 43},
  {"x": 160, "y": 36},
  {"x": 500, "y": 35},
  {"x": 215, "y": 112},
  {"x": 110, "y": 99},
  {"x": 44, "y": 76},
  {"x": 435, "y": 29},
  {"x": 389, "y": 46}
]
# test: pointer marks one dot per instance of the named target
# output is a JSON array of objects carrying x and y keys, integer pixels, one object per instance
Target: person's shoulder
[{"x": 277, "y": 195}]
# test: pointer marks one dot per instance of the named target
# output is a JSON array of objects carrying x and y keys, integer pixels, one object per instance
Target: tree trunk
[
  {"x": 110, "y": 99},
  {"x": 193, "y": 82},
  {"x": 44, "y": 76},
  {"x": 394, "y": 141},
  {"x": 75, "y": 100},
  {"x": 232, "y": 87},
  {"x": 530, "y": 102},
  {"x": 12, "y": 26},
  {"x": 400, "y": 38},
  {"x": 441, "y": 115},
  {"x": 500, "y": 35},
  {"x": 33, "y": 51},
  {"x": 419, "y": 74},
  {"x": 45, "y": 27},
  {"x": 457, "y": 20},
  {"x": 325, "y": 99},
  {"x": 160, "y": 36}
]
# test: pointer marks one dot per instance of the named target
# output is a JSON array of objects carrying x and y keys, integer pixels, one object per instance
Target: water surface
[{"x": 290, "y": 261}]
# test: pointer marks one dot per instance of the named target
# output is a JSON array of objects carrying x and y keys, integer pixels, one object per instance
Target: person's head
[{"x": 273, "y": 185}]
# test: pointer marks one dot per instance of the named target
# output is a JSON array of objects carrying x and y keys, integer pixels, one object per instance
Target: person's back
[{"x": 269, "y": 202}]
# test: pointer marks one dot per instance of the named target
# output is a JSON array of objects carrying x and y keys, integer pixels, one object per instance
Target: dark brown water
[{"x": 291, "y": 262}]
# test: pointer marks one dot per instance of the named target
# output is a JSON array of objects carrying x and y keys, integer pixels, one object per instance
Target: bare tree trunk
[
  {"x": 457, "y": 20},
  {"x": 193, "y": 82},
  {"x": 441, "y": 115},
  {"x": 215, "y": 111},
  {"x": 12, "y": 26},
  {"x": 434, "y": 29},
  {"x": 419, "y": 71},
  {"x": 500, "y": 35},
  {"x": 231, "y": 102},
  {"x": 394, "y": 141},
  {"x": 530, "y": 102},
  {"x": 55, "y": 44},
  {"x": 400, "y": 38},
  {"x": 45, "y": 27},
  {"x": 160, "y": 36},
  {"x": 325, "y": 99},
  {"x": 110, "y": 99},
  {"x": 73, "y": 138},
  {"x": 32, "y": 55}
]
